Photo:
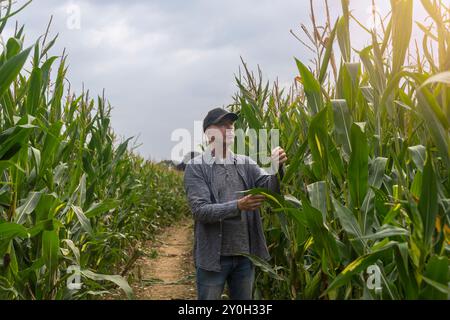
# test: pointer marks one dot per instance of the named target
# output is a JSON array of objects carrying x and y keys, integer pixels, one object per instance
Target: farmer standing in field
[{"x": 226, "y": 223}]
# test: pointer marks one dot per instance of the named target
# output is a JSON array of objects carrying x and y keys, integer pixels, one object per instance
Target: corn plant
[{"x": 367, "y": 184}]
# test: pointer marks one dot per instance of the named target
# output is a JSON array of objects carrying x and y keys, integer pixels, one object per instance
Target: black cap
[{"x": 216, "y": 115}]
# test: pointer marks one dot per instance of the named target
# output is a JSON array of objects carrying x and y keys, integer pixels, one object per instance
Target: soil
[{"x": 166, "y": 270}]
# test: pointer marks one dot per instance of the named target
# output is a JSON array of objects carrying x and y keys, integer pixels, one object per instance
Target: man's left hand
[{"x": 279, "y": 155}]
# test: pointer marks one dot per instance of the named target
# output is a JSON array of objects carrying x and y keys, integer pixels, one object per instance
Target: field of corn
[
  {"x": 367, "y": 186},
  {"x": 73, "y": 200},
  {"x": 366, "y": 189}
]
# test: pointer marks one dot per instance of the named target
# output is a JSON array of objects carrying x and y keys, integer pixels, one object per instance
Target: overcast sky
[{"x": 165, "y": 63}]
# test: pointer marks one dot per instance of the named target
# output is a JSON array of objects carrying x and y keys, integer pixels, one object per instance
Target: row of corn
[{"x": 74, "y": 202}]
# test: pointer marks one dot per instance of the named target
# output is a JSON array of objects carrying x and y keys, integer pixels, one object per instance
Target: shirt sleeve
[{"x": 199, "y": 198}]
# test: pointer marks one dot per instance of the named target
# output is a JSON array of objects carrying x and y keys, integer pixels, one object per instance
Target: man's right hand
[{"x": 250, "y": 202}]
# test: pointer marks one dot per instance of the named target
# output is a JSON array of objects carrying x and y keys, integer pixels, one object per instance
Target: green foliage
[{"x": 369, "y": 161}]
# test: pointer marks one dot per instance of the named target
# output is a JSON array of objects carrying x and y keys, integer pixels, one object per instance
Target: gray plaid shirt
[{"x": 209, "y": 213}]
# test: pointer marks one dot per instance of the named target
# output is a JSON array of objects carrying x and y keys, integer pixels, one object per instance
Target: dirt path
[{"x": 166, "y": 271}]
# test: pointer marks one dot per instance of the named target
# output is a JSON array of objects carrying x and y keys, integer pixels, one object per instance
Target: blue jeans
[{"x": 237, "y": 271}]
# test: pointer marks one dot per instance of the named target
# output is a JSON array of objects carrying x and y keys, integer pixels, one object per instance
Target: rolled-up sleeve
[{"x": 199, "y": 198}]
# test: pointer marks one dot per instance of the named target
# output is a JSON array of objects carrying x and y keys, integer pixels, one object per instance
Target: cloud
[{"x": 165, "y": 63}]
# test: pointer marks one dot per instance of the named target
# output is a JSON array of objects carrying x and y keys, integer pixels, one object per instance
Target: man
[{"x": 226, "y": 223}]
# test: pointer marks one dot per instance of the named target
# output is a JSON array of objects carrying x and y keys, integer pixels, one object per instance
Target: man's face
[{"x": 222, "y": 132}]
